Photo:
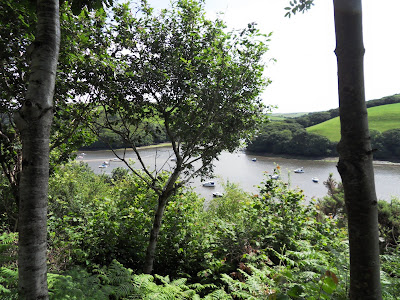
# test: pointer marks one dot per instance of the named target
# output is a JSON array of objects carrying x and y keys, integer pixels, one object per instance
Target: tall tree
[
  {"x": 17, "y": 24},
  {"x": 355, "y": 153},
  {"x": 184, "y": 73},
  {"x": 34, "y": 120}
]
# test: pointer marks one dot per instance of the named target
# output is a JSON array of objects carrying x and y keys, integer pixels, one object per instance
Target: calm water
[{"x": 239, "y": 168}]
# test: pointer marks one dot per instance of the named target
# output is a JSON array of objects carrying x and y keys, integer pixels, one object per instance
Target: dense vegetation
[
  {"x": 147, "y": 133},
  {"x": 316, "y": 134},
  {"x": 266, "y": 246},
  {"x": 290, "y": 138}
]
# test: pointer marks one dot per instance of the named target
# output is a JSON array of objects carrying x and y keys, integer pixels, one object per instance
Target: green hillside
[
  {"x": 283, "y": 116},
  {"x": 381, "y": 118}
]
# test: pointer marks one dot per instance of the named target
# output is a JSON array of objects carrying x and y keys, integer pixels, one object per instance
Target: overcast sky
[{"x": 304, "y": 77}]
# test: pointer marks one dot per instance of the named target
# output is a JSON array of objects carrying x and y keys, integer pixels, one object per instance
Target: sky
[{"x": 304, "y": 76}]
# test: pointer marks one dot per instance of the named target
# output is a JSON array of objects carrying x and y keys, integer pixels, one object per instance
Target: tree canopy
[{"x": 185, "y": 73}]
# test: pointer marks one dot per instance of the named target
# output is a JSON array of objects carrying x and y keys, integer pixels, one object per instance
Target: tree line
[
  {"x": 290, "y": 137},
  {"x": 315, "y": 118}
]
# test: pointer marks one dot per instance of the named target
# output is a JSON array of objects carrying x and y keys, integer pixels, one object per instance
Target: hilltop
[{"x": 380, "y": 118}]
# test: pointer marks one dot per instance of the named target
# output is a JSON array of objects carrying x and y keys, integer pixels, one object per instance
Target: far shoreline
[{"x": 333, "y": 159}]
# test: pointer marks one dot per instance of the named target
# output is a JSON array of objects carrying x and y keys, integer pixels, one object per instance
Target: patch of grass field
[
  {"x": 282, "y": 116},
  {"x": 381, "y": 118}
]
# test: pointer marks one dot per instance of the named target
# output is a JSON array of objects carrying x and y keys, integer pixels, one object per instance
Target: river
[{"x": 240, "y": 168}]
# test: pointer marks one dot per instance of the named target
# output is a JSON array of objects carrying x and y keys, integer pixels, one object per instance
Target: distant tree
[
  {"x": 198, "y": 83},
  {"x": 290, "y": 138},
  {"x": 391, "y": 142}
]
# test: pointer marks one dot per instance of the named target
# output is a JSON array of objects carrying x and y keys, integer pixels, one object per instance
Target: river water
[{"x": 240, "y": 168}]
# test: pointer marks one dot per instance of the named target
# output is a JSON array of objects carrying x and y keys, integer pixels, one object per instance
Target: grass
[
  {"x": 381, "y": 118},
  {"x": 283, "y": 116}
]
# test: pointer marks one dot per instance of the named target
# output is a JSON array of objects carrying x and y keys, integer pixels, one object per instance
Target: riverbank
[{"x": 394, "y": 162}]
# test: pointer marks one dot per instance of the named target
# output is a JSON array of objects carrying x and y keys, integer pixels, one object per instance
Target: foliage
[
  {"x": 298, "y": 6},
  {"x": 250, "y": 246},
  {"x": 68, "y": 133},
  {"x": 290, "y": 138},
  {"x": 147, "y": 133},
  {"x": 333, "y": 203},
  {"x": 94, "y": 219},
  {"x": 389, "y": 223},
  {"x": 179, "y": 73},
  {"x": 201, "y": 84},
  {"x": 8, "y": 266}
]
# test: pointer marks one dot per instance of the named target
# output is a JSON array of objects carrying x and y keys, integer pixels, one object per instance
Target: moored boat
[{"x": 299, "y": 170}]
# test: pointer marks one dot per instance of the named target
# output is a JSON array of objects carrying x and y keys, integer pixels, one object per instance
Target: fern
[
  {"x": 8, "y": 283},
  {"x": 8, "y": 243}
]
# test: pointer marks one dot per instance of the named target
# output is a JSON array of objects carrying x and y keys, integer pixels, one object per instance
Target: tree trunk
[
  {"x": 355, "y": 154},
  {"x": 163, "y": 198},
  {"x": 155, "y": 230},
  {"x": 34, "y": 121}
]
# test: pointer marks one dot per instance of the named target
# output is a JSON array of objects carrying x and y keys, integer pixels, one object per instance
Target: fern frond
[{"x": 219, "y": 294}]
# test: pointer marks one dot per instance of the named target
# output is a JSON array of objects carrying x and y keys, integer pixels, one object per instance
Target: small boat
[
  {"x": 254, "y": 159},
  {"x": 80, "y": 157},
  {"x": 315, "y": 179},
  {"x": 106, "y": 163},
  {"x": 275, "y": 176},
  {"x": 173, "y": 159},
  {"x": 299, "y": 170},
  {"x": 217, "y": 195},
  {"x": 116, "y": 159},
  {"x": 209, "y": 184},
  {"x": 102, "y": 166}
]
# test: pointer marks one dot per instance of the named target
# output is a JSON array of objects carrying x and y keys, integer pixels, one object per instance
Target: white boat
[
  {"x": 315, "y": 179},
  {"x": 254, "y": 159},
  {"x": 80, "y": 157},
  {"x": 102, "y": 166},
  {"x": 115, "y": 159},
  {"x": 209, "y": 184},
  {"x": 217, "y": 194},
  {"x": 173, "y": 159},
  {"x": 106, "y": 163},
  {"x": 275, "y": 176},
  {"x": 299, "y": 170}
]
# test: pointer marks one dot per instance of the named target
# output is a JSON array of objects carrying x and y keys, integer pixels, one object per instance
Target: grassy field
[
  {"x": 381, "y": 118},
  {"x": 282, "y": 116}
]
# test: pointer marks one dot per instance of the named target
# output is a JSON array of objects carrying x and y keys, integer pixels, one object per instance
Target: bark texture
[
  {"x": 163, "y": 198},
  {"x": 34, "y": 121},
  {"x": 355, "y": 154}
]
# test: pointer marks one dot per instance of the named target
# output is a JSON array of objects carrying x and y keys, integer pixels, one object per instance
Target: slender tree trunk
[
  {"x": 155, "y": 230},
  {"x": 34, "y": 121},
  {"x": 355, "y": 154},
  {"x": 163, "y": 198}
]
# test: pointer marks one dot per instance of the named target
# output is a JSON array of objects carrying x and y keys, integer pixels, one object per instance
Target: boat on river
[
  {"x": 209, "y": 184},
  {"x": 299, "y": 170},
  {"x": 275, "y": 176},
  {"x": 315, "y": 179},
  {"x": 217, "y": 195}
]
